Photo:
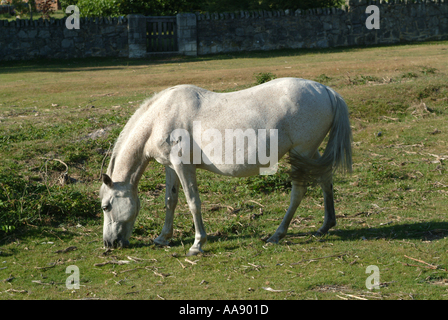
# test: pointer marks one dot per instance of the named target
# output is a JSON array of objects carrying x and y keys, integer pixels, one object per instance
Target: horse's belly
[{"x": 236, "y": 170}]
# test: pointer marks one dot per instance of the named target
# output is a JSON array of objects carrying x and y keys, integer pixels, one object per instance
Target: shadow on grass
[
  {"x": 38, "y": 234},
  {"x": 425, "y": 231},
  {"x": 98, "y": 64}
]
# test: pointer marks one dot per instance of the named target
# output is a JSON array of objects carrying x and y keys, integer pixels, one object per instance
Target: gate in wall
[{"x": 161, "y": 34}]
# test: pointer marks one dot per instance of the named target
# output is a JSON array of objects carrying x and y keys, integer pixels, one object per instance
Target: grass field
[{"x": 59, "y": 119}]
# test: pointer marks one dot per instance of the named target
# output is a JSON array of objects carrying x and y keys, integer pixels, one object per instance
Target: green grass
[{"x": 390, "y": 211}]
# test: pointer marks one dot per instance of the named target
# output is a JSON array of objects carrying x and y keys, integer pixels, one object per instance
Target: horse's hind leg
[
  {"x": 297, "y": 193},
  {"x": 330, "y": 217},
  {"x": 171, "y": 196},
  {"x": 326, "y": 183}
]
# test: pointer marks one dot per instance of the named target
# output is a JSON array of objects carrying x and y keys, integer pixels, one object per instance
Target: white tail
[{"x": 337, "y": 154}]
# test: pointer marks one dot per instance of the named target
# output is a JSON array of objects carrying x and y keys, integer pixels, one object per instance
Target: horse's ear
[{"x": 107, "y": 181}]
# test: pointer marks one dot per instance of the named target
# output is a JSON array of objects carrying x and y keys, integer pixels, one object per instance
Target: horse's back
[
  {"x": 300, "y": 110},
  {"x": 265, "y": 105},
  {"x": 295, "y": 107}
]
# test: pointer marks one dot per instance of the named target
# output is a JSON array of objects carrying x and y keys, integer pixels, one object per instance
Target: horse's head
[{"x": 120, "y": 205}]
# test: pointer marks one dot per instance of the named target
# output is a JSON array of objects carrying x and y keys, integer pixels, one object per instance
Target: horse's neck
[
  {"x": 130, "y": 161},
  {"x": 129, "y": 168}
]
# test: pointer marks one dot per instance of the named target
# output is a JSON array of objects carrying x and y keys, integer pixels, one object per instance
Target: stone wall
[
  {"x": 199, "y": 34},
  {"x": 187, "y": 34},
  {"x": 24, "y": 39},
  {"x": 320, "y": 28}
]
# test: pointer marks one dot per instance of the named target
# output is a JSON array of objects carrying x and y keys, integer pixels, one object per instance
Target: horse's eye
[{"x": 106, "y": 207}]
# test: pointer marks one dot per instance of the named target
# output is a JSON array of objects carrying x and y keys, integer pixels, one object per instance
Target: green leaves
[
  {"x": 100, "y": 8},
  {"x": 263, "y": 77},
  {"x": 115, "y": 8}
]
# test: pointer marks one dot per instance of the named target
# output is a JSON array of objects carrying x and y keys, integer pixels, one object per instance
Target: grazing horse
[{"x": 298, "y": 113}]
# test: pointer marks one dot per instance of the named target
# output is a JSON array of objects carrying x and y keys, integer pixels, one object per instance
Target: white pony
[{"x": 300, "y": 112}]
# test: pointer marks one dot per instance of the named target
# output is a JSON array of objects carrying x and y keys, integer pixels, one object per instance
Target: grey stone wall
[
  {"x": 137, "y": 36},
  {"x": 187, "y": 34},
  {"x": 199, "y": 34},
  {"x": 97, "y": 37},
  {"x": 320, "y": 28}
]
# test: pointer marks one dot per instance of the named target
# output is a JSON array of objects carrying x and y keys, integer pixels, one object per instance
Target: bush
[
  {"x": 114, "y": 8},
  {"x": 263, "y": 77},
  {"x": 323, "y": 78},
  {"x": 23, "y": 202},
  {"x": 100, "y": 8},
  {"x": 21, "y": 7},
  {"x": 232, "y": 5},
  {"x": 66, "y": 3},
  {"x": 428, "y": 70}
]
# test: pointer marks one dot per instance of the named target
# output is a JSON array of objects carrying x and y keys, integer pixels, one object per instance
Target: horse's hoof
[
  {"x": 273, "y": 240},
  {"x": 320, "y": 233},
  {"x": 161, "y": 242},
  {"x": 194, "y": 252},
  {"x": 324, "y": 229}
]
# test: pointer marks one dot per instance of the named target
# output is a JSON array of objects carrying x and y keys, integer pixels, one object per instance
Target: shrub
[
  {"x": 66, "y": 3},
  {"x": 20, "y": 7},
  {"x": 409, "y": 75},
  {"x": 46, "y": 8},
  {"x": 263, "y": 77},
  {"x": 323, "y": 78},
  {"x": 361, "y": 79},
  {"x": 232, "y": 5},
  {"x": 23, "y": 202},
  {"x": 115, "y": 8},
  {"x": 428, "y": 70},
  {"x": 100, "y": 8}
]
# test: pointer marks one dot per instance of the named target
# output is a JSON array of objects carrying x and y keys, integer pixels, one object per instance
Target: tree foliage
[
  {"x": 233, "y": 5},
  {"x": 114, "y": 8}
]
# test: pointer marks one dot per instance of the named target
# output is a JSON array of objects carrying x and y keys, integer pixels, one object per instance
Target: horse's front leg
[
  {"x": 187, "y": 176},
  {"x": 171, "y": 196}
]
